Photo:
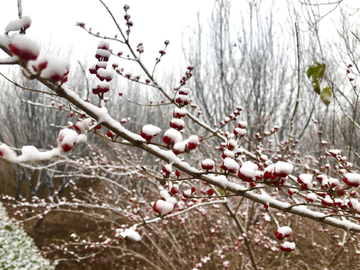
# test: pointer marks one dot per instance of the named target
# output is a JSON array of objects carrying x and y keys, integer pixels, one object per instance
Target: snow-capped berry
[
  {"x": 105, "y": 74},
  {"x": 242, "y": 124},
  {"x": 177, "y": 123},
  {"x": 104, "y": 45},
  {"x": 101, "y": 87},
  {"x": 167, "y": 169},
  {"x": 327, "y": 201},
  {"x": 240, "y": 132},
  {"x": 179, "y": 112},
  {"x": 310, "y": 197},
  {"x": 163, "y": 207},
  {"x": 83, "y": 125},
  {"x": 149, "y": 132},
  {"x": 16, "y": 25},
  {"x": 287, "y": 246},
  {"x": 207, "y": 164},
  {"x": 67, "y": 139},
  {"x": 184, "y": 91},
  {"x": 25, "y": 48},
  {"x": 229, "y": 165},
  {"x": 248, "y": 171},
  {"x": 282, "y": 232},
  {"x": 193, "y": 142},
  {"x": 57, "y": 69},
  {"x": 352, "y": 179},
  {"x": 335, "y": 152},
  {"x": 182, "y": 100},
  {"x": 283, "y": 169},
  {"x": 174, "y": 189},
  {"x": 228, "y": 153},
  {"x": 109, "y": 133},
  {"x": 179, "y": 147},
  {"x": 7, "y": 153},
  {"x": 231, "y": 144},
  {"x": 305, "y": 180},
  {"x": 172, "y": 136},
  {"x": 102, "y": 55},
  {"x": 268, "y": 172}
]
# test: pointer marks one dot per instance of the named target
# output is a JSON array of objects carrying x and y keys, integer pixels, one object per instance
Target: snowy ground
[{"x": 17, "y": 250}]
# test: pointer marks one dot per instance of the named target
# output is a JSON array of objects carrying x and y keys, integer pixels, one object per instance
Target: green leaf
[
  {"x": 7, "y": 227},
  {"x": 317, "y": 87},
  {"x": 326, "y": 95},
  {"x": 222, "y": 191},
  {"x": 310, "y": 71},
  {"x": 320, "y": 71}
]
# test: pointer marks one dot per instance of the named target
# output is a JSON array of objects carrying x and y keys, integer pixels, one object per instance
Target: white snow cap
[
  {"x": 163, "y": 207},
  {"x": 284, "y": 230},
  {"x": 288, "y": 245},
  {"x": 7, "y": 153},
  {"x": 67, "y": 139},
  {"x": 16, "y": 25},
  {"x": 249, "y": 169},
  {"x": 129, "y": 233},
  {"x": 83, "y": 125},
  {"x": 151, "y": 130},
  {"x": 283, "y": 168},
  {"x": 56, "y": 67},
  {"x": 173, "y": 135},
  {"x": 231, "y": 164},
  {"x": 24, "y": 47}
]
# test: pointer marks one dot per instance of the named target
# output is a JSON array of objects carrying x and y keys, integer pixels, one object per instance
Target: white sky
[{"x": 154, "y": 21}]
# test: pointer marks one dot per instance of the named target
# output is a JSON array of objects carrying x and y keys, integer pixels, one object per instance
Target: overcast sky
[{"x": 154, "y": 21}]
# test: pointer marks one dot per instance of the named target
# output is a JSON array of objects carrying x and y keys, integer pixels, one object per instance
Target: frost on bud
[
  {"x": 166, "y": 42},
  {"x": 207, "y": 164},
  {"x": 287, "y": 246},
  {"x": 126, "y": 7},
  {"x": 67, "y": 139},
  {"x": 149, "y": 132},
  {"x": 25, "y": 48}
]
